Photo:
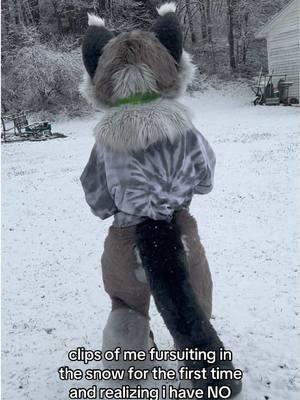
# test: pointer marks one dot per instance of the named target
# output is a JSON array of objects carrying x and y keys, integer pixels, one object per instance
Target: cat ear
[
  {"x": 96, "y": 37},
  {"x": 167, "y": 29}
]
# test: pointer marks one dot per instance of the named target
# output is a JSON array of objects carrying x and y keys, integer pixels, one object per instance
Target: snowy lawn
[{"x": 53, "y": 300}]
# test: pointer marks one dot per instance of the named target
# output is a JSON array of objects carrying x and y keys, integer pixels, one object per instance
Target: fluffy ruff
[
  {"x": 164, "y": 260},
  {"x": 133, "y": 128}
]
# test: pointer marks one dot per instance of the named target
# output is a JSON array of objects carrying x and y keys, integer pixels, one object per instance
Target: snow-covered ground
[{"x": 53, "y": 299}]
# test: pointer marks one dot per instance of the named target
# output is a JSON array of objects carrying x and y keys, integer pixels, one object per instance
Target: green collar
[{"x": 137, "y": 99}]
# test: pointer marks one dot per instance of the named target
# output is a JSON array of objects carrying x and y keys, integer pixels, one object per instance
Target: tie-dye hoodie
[{"x": 148, "y": 161}]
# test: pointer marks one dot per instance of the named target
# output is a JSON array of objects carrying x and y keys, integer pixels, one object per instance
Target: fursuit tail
[{"x": 164, "y": 260}]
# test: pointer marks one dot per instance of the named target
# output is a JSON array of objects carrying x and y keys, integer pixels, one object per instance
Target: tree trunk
[
  {"x": 231, "y": 35},
  {"x": 101, "y": 5},
  {"x": 12, "y": 13},
  {"x": 190, "y": 19},
  {"x": 245, "y": 36},
  {"x": 5, "y": 23},
  {"x": 48, "y": 16},
  {"x": 210, "y": 38},
  {"x": 203, "y": 20},
  {"x": 208, "y": 19}
]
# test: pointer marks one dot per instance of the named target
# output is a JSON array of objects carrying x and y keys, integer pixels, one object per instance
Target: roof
[{"x": 266, "y": 29}]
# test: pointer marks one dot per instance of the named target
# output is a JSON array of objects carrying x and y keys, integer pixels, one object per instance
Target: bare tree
[
  {"x": 190, "y": 19},
  {"x": 231, "y": 41},
  {"x": 49, "y": 16}
]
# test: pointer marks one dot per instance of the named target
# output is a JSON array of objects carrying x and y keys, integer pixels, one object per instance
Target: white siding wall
[{"x": 284, "y": 48}]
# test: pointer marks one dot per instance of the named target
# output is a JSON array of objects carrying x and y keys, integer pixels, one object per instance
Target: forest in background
[{"x": 41, "y": 56}]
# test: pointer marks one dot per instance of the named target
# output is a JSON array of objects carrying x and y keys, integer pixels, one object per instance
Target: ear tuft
[
  {"x": 166, "y": 8},
  {"x": 94, "y": 20}
]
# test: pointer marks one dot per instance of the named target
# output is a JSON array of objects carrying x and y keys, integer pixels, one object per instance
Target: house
[{"x": 282, "y": 33}]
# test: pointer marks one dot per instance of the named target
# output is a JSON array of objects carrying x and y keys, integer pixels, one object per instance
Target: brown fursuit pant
[{"x": 123, "y": 275}]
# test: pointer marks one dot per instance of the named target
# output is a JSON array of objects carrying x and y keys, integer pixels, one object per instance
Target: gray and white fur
[
  {"x": 137, "y": 127},
  {"x": 147, "y": 163}
]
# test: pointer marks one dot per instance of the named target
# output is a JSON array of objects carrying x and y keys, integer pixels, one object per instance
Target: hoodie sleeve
[
  {"x": 204, "y": 164},
  {"x": 93, "y": 180}
]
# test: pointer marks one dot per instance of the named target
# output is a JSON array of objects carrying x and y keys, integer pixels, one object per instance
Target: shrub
[{"x": 42, "y": 79}]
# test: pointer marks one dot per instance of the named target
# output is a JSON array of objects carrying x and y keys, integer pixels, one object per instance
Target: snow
[{"x": 53, "y": 299}]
